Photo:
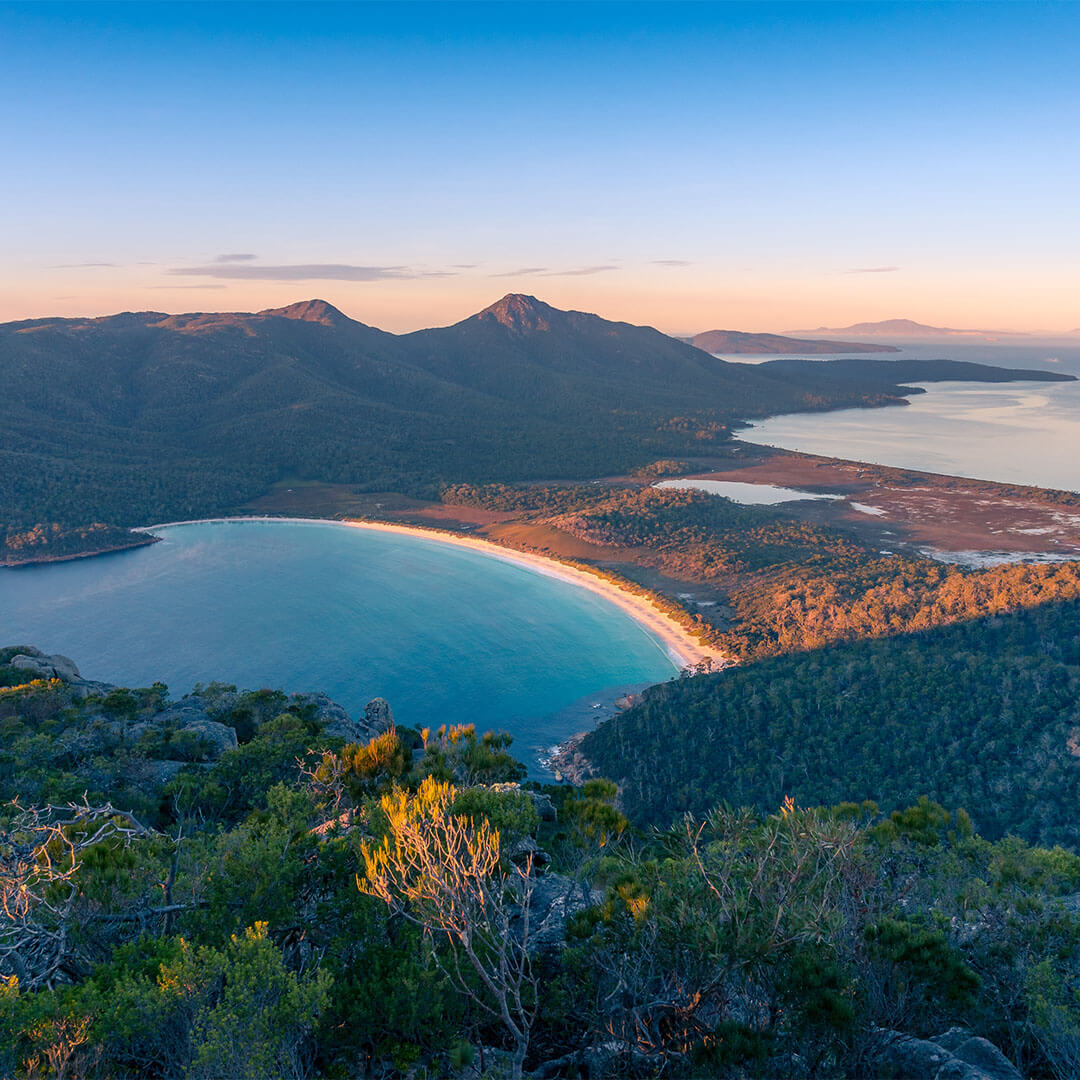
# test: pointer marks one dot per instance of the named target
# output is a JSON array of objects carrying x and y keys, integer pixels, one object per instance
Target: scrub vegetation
[{"x": 305, "y": 907}]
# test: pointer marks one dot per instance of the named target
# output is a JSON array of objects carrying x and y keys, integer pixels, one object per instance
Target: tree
[
  {"x": 39, "y": 861},
  {"x": 444, "y": 873}
]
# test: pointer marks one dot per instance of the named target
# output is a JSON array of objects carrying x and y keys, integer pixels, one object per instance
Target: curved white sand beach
[{"x": 682, "y": 647}]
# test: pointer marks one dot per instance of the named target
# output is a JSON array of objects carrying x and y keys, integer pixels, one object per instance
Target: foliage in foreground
[{"x": 224, "y": 934}]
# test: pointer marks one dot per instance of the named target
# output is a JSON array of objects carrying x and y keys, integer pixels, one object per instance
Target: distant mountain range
[
  {"x": 737, "y": 343},
  {"x": 145, "y": 416},
  {"x": 905, "y": 328}
]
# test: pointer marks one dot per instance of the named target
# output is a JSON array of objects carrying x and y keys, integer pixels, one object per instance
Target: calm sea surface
[
  {"x": 1024, "y": 432},
  {"x": 445, "y": 635}
]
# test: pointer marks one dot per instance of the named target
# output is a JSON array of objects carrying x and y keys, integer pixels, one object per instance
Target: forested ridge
[
  {"x": 983, "y": 714},
  {"x": 293, "y": 901}
]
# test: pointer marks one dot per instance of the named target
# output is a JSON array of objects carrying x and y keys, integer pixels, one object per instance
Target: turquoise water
[{"x": 446, "y": 635}]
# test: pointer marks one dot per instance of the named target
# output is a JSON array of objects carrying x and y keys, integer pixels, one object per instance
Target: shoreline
[
  {"x": 681, "y": 647},
  {"x": 44, "y": 560}
]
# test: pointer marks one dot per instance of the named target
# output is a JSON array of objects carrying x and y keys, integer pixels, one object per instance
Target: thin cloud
[
  {"x": 671, "y": 262},
  {"x": 524, "y": 271},
  {"x": 242, "y": 257},
  {"x": 81, "y": 266},
  {"x": 306, "y": 272},
  {"x": 872, "y": 270},
  {"x": 172, "y": 288},
  {"x": 582, "y": 271}
]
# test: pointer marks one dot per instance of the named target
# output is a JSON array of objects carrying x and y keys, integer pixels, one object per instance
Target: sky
[{"x": 690, "y": 166}]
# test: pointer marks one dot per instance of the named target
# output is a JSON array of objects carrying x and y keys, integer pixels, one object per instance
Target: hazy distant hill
[
  {"x": 736, "y": 342},
  {"x": 905, "y": 328},
  {"x": 144, "y": 416}
]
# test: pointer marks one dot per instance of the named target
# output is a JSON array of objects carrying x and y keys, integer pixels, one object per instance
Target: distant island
[
  {"x": 738, "y": 343},
  {"x": 906, "y": 328}
]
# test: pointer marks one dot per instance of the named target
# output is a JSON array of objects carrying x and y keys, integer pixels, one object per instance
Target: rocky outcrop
[
  {"x": 544, "y": 806},
  {"x": 193, "y": 730},
  {"x": 568, "y": 763},
  {"x": 44, "y": 666},
  {"x": 335, "y": 720},
  {"x": 956, "y": 1055},
  {"x": 377, "y": 716},
  {"x": 528, "y": 853},
  {"x": 337, "y": 723},
  {"x": 39, "y": 665},
  {"x": 555, "y": 900}
]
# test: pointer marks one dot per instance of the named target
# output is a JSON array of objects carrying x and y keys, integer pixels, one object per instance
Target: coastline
[
  {"x": 682, "y": 648},
  {"x": 42, "y": 560}
]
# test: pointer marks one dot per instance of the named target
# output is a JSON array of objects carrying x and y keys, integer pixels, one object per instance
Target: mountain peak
[
  {"x": 317, "y": 311},
  {"x": 518, "y": 311}
]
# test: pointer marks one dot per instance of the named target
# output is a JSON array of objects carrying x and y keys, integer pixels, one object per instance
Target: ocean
[{"x": 446, "y": 635}]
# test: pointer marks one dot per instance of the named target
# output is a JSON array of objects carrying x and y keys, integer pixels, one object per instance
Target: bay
[
  {"x": 445, "y": 634},
  {"x": 1019, "y": 433}
]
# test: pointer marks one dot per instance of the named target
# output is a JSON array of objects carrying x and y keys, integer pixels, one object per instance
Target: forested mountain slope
[
  {"x": 146, "y": 416},
  {"x": 983, "y": 714}
]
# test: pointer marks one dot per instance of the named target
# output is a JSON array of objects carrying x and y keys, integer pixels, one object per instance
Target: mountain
[
  {"x": 739, "y": 343},
  {"x": 575, "y": 362},
  {"x": 146, "y": 416},
  {"x": 905, "y": 328}
]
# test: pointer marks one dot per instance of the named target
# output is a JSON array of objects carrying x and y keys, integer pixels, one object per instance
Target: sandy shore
[{"x": 682, "y": 647}]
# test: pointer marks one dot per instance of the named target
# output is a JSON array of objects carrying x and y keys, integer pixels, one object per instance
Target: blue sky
[{"x": 753, "y": 166}]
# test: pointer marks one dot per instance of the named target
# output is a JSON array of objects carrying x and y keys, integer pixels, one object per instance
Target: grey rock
[
  {"x": 221, "y": 737},
  {"x": 527, "y": 848},
  {"x": 956, "y": 1055},
  {"x": 555, "y": 900},
  {"x": 186, "y": 717},
  {"x": 180, "y": 714},
  {"x": 84, "y": 688},
  {"x": 338, "y": 724},
  {"x": 46, "y": 667},
  {"x": 984, "y": 1055},
  {"x": 544, "y": 806},
  {"x": 378, "y": 715},
  {"x": 953, "y": 1038}
]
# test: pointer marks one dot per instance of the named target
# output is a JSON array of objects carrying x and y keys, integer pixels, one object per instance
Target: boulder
[
  {"x": 220, "y": 737},
  {"x": 378, "y": 715},
  {"x": 979, "y": 1052},
  {"x": 956, "y": 1055},
  {"x": 45, "y": 667},
  {"x": 183, "y": 717},
  {"x": 337, "y": 722},
  {"x": 84, "y": 688},
  {"x": 555, "y": 900},
  {"x": 527, "y": 849}
]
